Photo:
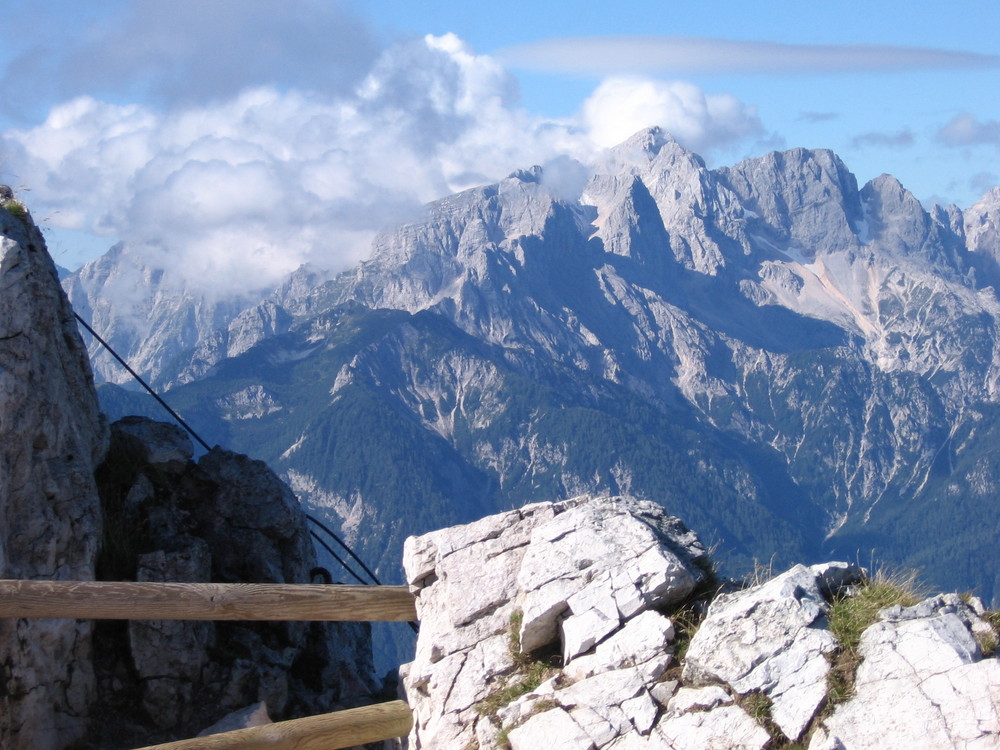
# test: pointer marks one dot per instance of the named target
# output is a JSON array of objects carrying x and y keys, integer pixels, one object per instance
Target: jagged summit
[{"x": 801, "y": 365}]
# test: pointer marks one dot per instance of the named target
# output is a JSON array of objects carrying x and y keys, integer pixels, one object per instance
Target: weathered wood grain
[
  {"x": 106, "y": 600},
  {"x": 340, "y": 729}
]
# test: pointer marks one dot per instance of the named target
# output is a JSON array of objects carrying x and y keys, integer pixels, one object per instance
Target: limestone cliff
[
  {"x": 52, "y": 436},
  {"x": 596, "y": 623}
]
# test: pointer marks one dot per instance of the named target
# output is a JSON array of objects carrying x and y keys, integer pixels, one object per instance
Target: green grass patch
[
  {"x": 758, "y": 706},
  {"x": 851, "y": 615},
  {"x": 16, "y": 208},
  {"x": 530, "y": 671},
  {"x": 988, "y": 642},
  {"x": 520, "y": 683}
]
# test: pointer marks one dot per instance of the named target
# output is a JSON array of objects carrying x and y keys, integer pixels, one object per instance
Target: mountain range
[{"x": 799, "y": 367}]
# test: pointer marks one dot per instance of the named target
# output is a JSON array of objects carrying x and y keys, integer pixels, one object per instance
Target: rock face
[
  {"x": 225, "y": 519},
  {"x": 52, "y": 436},
  {"x": 547, "y": 627},
  {"x": 923, "y": 683},
  {"x": 577, "y": 579},
  {"x": 799, "y": 366}
]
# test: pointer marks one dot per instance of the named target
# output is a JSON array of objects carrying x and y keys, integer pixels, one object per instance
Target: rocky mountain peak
[
  {"x": 647, "y": 142},
  {"x": 767, "y": 336},
  {"x": 982, "y": 235},
  {"x": 801, "y": 200}
]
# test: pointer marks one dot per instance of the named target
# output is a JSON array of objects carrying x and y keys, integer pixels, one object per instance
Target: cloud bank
[
  {"x": 232, "y": 193},
  {"x": 175, "y": 52},
  {"x": 680, "y": 55}
]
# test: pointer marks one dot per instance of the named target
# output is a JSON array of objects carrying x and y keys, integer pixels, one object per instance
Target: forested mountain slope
[{"x": 797, "y": 366}]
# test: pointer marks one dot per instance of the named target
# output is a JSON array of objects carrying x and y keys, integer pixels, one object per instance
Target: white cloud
[
  {"x": 966, "y": 130},
  {"x": 233, "y": 194},
  {"x": 622, "y": 105},
  {"x": 607, "y": 55}
]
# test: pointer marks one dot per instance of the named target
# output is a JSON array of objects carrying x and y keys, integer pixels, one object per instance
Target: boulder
[
  {"x": 551, "y": 626},
  {"x": 575, "y": 584}
]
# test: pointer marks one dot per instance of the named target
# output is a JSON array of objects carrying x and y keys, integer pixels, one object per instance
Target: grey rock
[
  {"x": 251, "y": 716},
  {"x": 226, "y": 519},
  {"x": 567, "y": 567},
  {"x": 160, "y": 442},
  {"x": 922, "y": 682},
  {"x": 52, "y": 436},
  {"x": 769, "y": 638}
]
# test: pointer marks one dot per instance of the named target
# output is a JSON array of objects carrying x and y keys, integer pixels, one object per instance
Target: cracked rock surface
[
  {"x": 581, "y": 581},
  {"x": 923, "y": 684},
  {"x": 52, "y": 435},
  {"x": 772, "y": 639},
  {"x": 545, "y": 628}
]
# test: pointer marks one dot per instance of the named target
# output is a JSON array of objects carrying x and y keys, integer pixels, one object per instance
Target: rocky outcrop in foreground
[
  {"x": 52, "y": 435},
  {"x": 581, "y": 624}
]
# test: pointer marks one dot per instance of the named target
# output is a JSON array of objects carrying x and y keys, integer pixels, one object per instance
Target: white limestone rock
[
  {"x": 922, "y": 684},
  {"x": 724, "y": 728},
  {"x": 554, "y": 730},
  {"x": 770, "y": 638},
  {"x": 686, "y": 700},
  {"x": 615, "y": 559},
  {"x": 644, "y": 643},
  {"x": 584, "y": 574}
]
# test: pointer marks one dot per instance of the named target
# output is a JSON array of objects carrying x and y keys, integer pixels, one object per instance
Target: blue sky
[{"x": 239, "y": 138}]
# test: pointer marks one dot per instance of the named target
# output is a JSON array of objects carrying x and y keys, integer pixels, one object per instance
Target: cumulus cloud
[
  {"x": 622, "y": 105},
  {"x": 606, "y": 55},
  {"x": 966, "y": 130},
  {"x": 901, "y": 139},
  {"x": 233, "y": 193}
]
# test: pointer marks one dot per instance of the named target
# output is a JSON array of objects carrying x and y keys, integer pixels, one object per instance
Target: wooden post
[
  {"x": 340, "y": 729},
  {"x": 106, "y": 600}
]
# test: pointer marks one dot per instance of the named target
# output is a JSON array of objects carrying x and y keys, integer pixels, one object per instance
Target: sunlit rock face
[
  {"x": 594, "y": 623},
  {"x": 801, "y": 366},
  {"x": 52, "y": 436}
]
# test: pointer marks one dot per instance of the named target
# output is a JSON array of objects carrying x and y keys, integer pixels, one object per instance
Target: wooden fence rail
[
  {"x": 340, "y": 729},
  {"x": 106, "y": 600},
  {"x": 127, "y": 600}
]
